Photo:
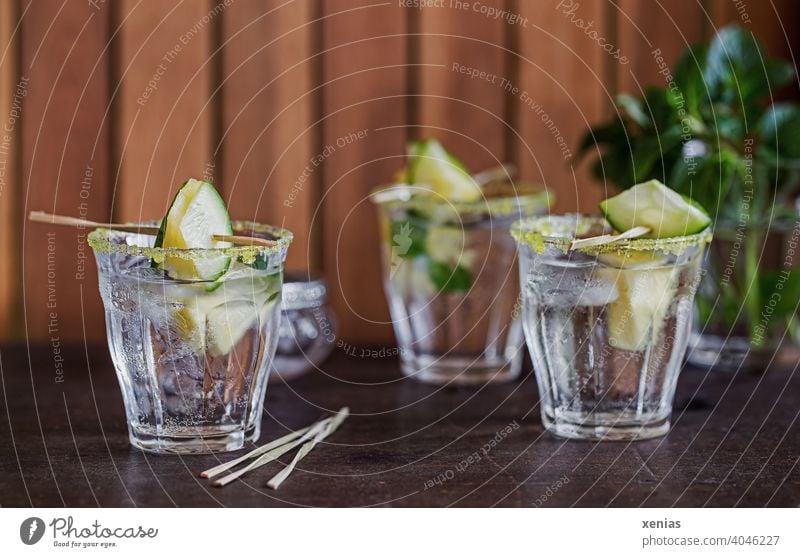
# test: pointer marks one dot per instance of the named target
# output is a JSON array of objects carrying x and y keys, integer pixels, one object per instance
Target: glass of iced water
[
  {"x": 191, "y": 357},
  {"x": 606, "y": 327},
  {"x": 449, "y": 277}
]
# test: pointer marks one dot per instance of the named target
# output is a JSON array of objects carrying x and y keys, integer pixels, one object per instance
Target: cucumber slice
[
  {"x": 638, "y": 313},
  {"x": 196, "y": 214},
  {"x": 447, "y": 244},
  {"x": 190, "y": 322},
  {"x": 216, "y": 322},
  {"x": 666, "y": 212},
  {"x": 244, "y": 306},
  {"x": 226, "y": 325},
  {"x": 430, "y": 164}
]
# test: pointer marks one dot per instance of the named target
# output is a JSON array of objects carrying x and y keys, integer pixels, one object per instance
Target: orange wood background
[{"x": 107, "y": 106}]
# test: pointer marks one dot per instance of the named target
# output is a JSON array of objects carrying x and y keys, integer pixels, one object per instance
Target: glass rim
[
  {"x": 100, "y": 241},
  {"x": 524, "y": 232},
  {"x": 410, "y": 196}
]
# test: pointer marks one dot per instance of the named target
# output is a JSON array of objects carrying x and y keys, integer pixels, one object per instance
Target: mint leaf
[{"x": 449, "y": 280}]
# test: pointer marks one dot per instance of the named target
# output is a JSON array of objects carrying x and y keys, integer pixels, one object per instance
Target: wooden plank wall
[
  {"x": 163, "y": 111},
  {"x": 65, "y": 164},
  {"x": 468, "y": 114},
  {"x": 267, "y": 135},
  {"x": 11, "y": 98},
  {"x": 562, "y": 88},
  {"x": 124, "y": 100},
  {"x": 364, "y": 115}
]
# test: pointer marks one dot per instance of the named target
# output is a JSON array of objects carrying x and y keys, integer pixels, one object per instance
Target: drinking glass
[
  {"x": 307, "y": 333},
  {"x": 449, "y": 278},
  {"x": 191, "y": 356},
  {"x": 606, "y": 327}
]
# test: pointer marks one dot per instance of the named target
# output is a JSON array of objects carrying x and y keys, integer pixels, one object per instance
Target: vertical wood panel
[
  {"x": 159, "y": 134},
  {"x": 164, "y": 122},
  {"x": 455, "y": 40},
  {"x": 65, "y": 151},
  {"x": 560, "y": 92},
  {"x": 10, "y": 106},
  {"x": 670, "y": 26},
  {"x": 365, "y": 84},
  {"x": 267, "y": 119}
]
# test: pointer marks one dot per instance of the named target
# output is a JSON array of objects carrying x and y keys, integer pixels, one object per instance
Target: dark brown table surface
[{"x": 734, "y": 441}]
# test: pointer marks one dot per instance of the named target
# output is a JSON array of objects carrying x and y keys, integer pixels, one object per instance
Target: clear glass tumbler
[
  {"x": 308, "y": 331},
  {"x": 449, "y": 278},
  {"x": 191, "y": 357},
  {"x": 606, "y": 327},
  {"x": 747, "y": 306}
]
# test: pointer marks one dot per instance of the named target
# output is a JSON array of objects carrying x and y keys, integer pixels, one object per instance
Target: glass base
[
  {"x": 605, "y": 426},
  {"x": 201, "y": 441},
  {"x": 461, "y": 370},
  {"x": 727, "y": 353}
]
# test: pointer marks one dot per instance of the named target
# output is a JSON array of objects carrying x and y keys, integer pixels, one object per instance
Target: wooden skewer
[
  {"x": 329, "y": 428},
  {"x": 217, "y": 470},
  {"x": 275, "y": 453},
  {"x": 609, "y": 238},
  {"x": 305, "y": 438},
  {"x": 506, "y": 171},
  {"x": 396, "y": 192},
  {"x": 62, "y": 220},
  {"x": 244, "y": 240}
]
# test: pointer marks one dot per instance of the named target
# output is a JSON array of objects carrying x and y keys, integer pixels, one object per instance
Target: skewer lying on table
[{"x": 306, "y": 438}]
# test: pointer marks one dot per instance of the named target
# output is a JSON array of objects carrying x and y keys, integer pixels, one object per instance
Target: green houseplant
[{"x": 715, "y": 131}]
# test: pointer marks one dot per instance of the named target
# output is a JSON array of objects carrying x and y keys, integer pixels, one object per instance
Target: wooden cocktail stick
[
  {"x": 506, "y": 171},
  {"x": 62, "y": 220},
  {"x": 609, "y": 238},
  {"x": 243, "y": 240}
]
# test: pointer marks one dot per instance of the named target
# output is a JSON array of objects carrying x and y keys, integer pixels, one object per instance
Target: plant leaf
[
  {"x": 633, "y": 108},
  {"x": 610, "y": 133},
  {"x": 728, "y": 124},
  {"x": 784, "y": 287},
  {"x": 649, "y": 155},
  {"x": 688, "y": 75},
  {"x": 662, "y": 105},
  {"x": 779, "y": 129},
  {"x": 738, "y": 72}
]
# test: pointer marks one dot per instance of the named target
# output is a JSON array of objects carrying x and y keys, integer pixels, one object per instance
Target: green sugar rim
[
  {"x": 539, "y": 232},
  {"x": 100, "y": 241},
  {"x": 500, "y": 206}
]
